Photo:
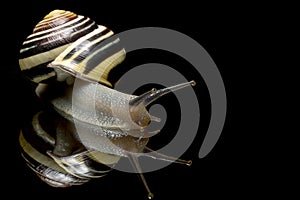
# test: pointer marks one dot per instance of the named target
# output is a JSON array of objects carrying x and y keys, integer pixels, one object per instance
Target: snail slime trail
[{"x": 65, "y": 145}]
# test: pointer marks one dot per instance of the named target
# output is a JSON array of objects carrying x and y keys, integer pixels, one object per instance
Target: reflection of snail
[{"x": 81, "y": 146}]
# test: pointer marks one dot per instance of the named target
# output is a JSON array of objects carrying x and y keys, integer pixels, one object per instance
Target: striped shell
[
  {"x": 51, "y": 150},
  {"x": 66, "y": 42}
]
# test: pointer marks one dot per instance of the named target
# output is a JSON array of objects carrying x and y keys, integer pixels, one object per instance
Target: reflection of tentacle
[
  {"x": 136, "y": 165},
  {"x": 155, "y": 155}
]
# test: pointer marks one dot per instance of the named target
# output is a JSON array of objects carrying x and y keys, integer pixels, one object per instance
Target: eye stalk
[
  {"x": 154, "y": 94},
  {"x": 137, "y": 106}
]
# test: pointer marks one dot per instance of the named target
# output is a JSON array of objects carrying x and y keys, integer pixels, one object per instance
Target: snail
[{"x": 70, "y": 57}]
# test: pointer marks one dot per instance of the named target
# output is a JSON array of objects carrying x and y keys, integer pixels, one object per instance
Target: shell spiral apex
[{"x": 54, "y": 13}]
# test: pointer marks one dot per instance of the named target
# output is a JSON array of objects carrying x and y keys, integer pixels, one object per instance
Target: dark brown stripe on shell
[
  {"x": 49, "y": 44},
  {"x": 53, "y": 22},
  {"x": 40, "y": 71},
  {"x": 57, "y": 28},
  {"x": 100, "y": 56},
  {"x": 86, "y": 52}
]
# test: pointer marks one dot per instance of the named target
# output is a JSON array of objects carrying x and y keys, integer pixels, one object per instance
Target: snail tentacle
[{"x": 159, "y": 93}]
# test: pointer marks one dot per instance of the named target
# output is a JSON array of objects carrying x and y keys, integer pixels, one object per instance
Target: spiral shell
[
  {"x": 51, "y": 150},
  {"x": 75, "y": 43}
]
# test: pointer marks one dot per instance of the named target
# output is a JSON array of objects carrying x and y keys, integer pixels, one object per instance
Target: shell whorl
[
  {"x": 92, "y": 56},
  {"x": 59, "y": 30}
]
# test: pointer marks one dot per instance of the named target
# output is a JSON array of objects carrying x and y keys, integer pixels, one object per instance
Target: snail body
[{"x": 114, "y": 113}]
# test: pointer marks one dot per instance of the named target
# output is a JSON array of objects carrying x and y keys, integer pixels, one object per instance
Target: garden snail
[{"x": 64, "y": 49}]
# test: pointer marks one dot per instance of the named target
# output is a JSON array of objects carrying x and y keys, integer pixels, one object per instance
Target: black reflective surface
[{"x": 226, "y": 170}]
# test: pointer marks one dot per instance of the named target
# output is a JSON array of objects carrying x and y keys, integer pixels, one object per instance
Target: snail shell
[{"x": 66, "y": 42}]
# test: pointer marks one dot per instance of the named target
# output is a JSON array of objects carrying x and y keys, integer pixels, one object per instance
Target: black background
[{"x": 233, "y": 169}]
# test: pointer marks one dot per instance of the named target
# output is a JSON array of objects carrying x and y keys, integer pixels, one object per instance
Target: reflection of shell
[
  {"x": 52, "y": 151},
  {"x": 90, "y": 55},
  {"x": 46, "y": 168}
]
